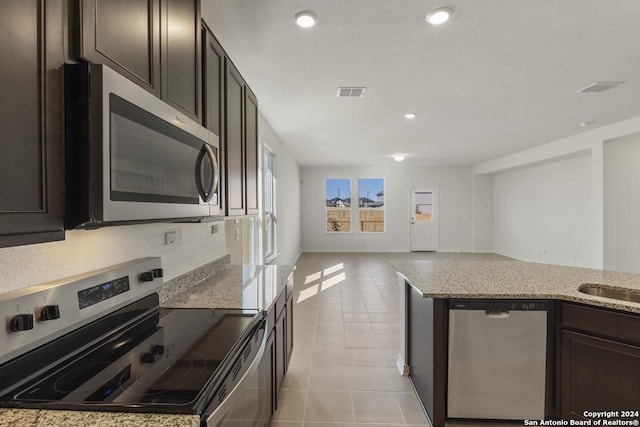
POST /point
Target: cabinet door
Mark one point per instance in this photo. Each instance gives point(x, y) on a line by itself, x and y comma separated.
point(289, 350)
point(213, 100)
point(251, 156)
point(267, 375)
point(598, 374)
point(234, 141)
point(31, 117)
point(427, 325)
point(181, 53)
point(124, 35)
point(281, 351)
point(213, 83)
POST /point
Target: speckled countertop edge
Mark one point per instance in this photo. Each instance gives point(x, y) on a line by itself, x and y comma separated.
point(225, 289)
point(181, 283)
point(46, 418)
point(495, 277)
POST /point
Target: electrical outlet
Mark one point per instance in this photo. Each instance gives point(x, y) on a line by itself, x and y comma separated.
point(215, 229)
point(170, 237)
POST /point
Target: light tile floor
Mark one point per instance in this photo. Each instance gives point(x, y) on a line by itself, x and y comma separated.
point(346, 327)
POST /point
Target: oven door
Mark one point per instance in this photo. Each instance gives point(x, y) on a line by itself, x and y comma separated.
point(245, 396)
point(156, 162)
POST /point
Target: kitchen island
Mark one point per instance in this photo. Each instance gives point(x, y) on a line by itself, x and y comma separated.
point(586, 333)
point(263, 287)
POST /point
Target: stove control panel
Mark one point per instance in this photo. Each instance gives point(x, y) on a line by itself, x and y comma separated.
point(39, 314)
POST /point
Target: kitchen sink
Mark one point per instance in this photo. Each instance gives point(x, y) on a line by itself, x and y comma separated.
point(621, 294)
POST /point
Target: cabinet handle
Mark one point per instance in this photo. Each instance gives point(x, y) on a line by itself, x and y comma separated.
point(213, 163)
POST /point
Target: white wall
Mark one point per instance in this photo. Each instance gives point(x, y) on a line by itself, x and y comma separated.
point(543, 213)
point(86, 250)
point(622, 204)
point(589, 144)
point(454, 206)
point(482, 213)
point(287, 194)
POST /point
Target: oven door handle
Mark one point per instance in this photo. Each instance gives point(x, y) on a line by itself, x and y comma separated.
point(207, 194)
point(221, 411)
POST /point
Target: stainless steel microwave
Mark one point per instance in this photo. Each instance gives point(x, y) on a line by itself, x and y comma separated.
point(130, 157)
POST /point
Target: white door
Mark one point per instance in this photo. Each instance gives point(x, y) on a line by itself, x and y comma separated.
point(424, 220)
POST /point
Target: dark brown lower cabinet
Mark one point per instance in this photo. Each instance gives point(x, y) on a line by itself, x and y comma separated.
point(281, 355)
point(599, 372)
point(427, 352)
point(289, 343)
point(267, 368)
point(280, 342)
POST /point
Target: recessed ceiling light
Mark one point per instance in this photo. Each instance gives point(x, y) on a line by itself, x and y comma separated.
point(399, 157)
point(439, 16)
point(410, 116)
point(306, 19)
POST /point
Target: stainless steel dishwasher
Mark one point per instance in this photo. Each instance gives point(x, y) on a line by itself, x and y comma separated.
point(497, 359)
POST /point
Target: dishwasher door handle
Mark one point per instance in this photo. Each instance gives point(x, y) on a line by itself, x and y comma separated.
point(497, 314)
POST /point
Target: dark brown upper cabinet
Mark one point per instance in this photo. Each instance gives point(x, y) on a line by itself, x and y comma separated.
point(181, 56)
point(234, 142)
point(213, 98)
point(32, 122)
point(251, 151)
point(124, 35)
point(154, 43)
point(231, 111)
point(213, 82)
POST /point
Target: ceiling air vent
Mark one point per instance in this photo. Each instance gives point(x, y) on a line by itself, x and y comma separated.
point(600, 87)
point(351, 92)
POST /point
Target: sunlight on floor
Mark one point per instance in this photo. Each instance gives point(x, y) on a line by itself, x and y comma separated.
point(327, 283)
point(307, 293)
point(312, 277)
point(332, 281)
point(333, 269)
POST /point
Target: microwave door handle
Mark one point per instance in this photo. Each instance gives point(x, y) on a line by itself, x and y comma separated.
point(213, 163)
point(215, 167)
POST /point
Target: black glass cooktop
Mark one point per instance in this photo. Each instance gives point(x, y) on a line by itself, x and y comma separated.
point(170, 358)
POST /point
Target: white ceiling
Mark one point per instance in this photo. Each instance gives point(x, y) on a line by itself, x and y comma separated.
point(499, 77)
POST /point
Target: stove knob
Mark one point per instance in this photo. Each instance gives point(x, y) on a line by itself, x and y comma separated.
point(147, 358)
point(158, 272)
point(49, 312)
point(21, 322)
point(157, 349)
point(147, 276)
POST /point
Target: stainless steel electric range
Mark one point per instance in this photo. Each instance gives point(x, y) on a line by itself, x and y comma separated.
point(100, 342)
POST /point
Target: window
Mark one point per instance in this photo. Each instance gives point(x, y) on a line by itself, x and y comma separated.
point(424, 206)
point(270, 222)
point(338, 204)
point(371, 204)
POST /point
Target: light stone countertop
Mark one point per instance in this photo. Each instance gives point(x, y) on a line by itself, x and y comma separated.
point(236, 286)
point(45, 418)
point(233, 286)
point(492, 276)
